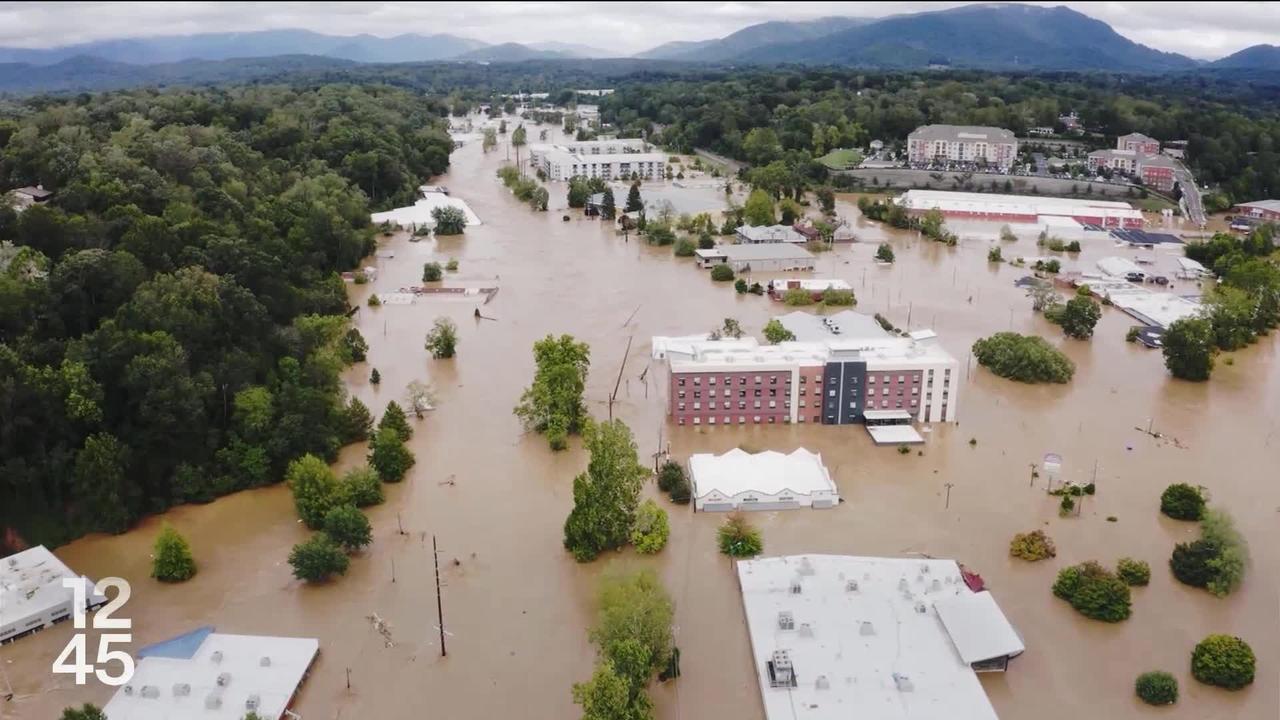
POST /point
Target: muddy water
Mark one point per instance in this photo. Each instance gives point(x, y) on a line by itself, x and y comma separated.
point(517, 606)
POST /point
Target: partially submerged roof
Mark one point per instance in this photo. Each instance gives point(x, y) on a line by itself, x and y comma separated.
point(31, 584)
point(769, 472)
point(977, 627)
point(765, 251)
point(892, 434)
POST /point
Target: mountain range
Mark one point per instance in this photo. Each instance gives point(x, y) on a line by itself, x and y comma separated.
point(985, 37)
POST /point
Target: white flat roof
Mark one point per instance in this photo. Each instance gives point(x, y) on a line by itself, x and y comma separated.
point(846, 324)
point(1156, 308)
point(766, 251)
point(1118, 266)
point(800, 472)
point(810, 284)
point(894, 434)
point(867, 628)
point(31, 584)
point(992, 203)
point(978, 628)
point(419, 213)
point(156, 691)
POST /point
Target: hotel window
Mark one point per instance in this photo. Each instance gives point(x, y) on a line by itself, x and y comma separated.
point(755, 419)
point(773, 380)
point(771, 419)
point(697, 421)
point(697, 394)
point(899, 404)
point(697, 381)
point(711, 406)
point(681, 394)
point(757, 405)
point(697, 406)
point(773, 393)
point(902, 378)
point(786, 404)
point(711, 381)
point(742, 380)
point(681, 406)
point(742, 393)
point(871, 379)
point(789, 379)
point(884, 403)
point(915, 391)
point(817, 418)
point(742, 419)
point(831, 393)
point(802, 403)
point(757, 392)
point(681, 421)
point(711, 393)
point(680, 382)
point(802, 380)
point(728, 381)
point(726, 419)
point(742, 405)
point(801, 392)
point(801, 418)
point(913, 402)
point(899, 393)
point(757, 379)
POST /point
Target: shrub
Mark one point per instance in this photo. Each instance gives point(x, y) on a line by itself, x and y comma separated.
point(797, 296)
point(1181, 501)
point(449, 220)
point(651, 529)
point(660, 235)
point(393, 417)
point(995, 254)
point(318, 559)
point(775, 332)
point(314, 488)
point(884, 253)
point(442, 339)
point(722, 273)
point(1225, 661)
point(1032, 546)
point(1133, 572)
point(1073, 246)
point(904, 450)
point(1024, 358)
point(374, 300)
point(432, 272)
point(669, 475)
point(361, 487)
point(1228, 564)
point(1190, 562)
point(740, 285)
point(389, 456)
point(738, 538)
point(452, 265)
point(684, 248)
point(1094, 592)
point(1157, 688)
point(348, 527)
point(173, 561)
point(838, 298)
point(1066, 506)
point(682, 492)
point(375, 377)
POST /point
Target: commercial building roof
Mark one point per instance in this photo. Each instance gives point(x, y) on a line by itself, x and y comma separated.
point(845, 324)
point(814, 284)
point(769, 472)
point(993, 204)
point(1268, 205)
point(1119, 267)
point(31, 585)
point(224, 678)
point(419, 213)
point(962, 132)
point(770, 234)
point(765, 251)
point(689, 345)
point(862, 637)
point(1156, 308)
point(1137, 136)
point(892, 434)
point(978, 628)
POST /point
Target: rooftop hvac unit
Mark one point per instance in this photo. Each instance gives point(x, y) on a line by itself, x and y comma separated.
point(822, 683)
point(252, 702)
point(851, 586)
point(795, 586)
point(865, 628)
point(265, 661)
point(213, 701)
point(806, 567)
point(216, 657)
point(224, 679)
point(128, 690)
point(903, 682)
point(151, 692)
point(920, 608)
point(181, 689)
point(786, 621)
point(806, 630)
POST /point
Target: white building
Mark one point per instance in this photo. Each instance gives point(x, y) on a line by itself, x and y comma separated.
point(836, 637)
point(767, 257)
point(418, 214)
point(755, 234)
point(226, 677)
point(32, 596)
point(808, 327)
point(1119, 267)
point(1022, 208)
point(738, 480)
point(962, 144)
point(605, 159)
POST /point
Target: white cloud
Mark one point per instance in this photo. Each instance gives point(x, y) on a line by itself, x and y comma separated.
point(1204, 30)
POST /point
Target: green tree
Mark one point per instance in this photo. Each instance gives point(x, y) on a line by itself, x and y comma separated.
point(314, 487)
point(354, 347)
point(393, 417)
point(375, 378)
point(318, 558)
point(109, 501)
point(1225, 661)
point(633, 630)
point(553, 403)
point(357, 421)
point(758, 209)
point(1188, 349)
point(1231, 312)
point(826, 200)
point(634, 201)
point(171, 557)
point(1024, 358)
point(739, 538)
point(1094, 592)
point(995, 254)
point(775, 332)
point(1157, 688)
point(518, 140)
point(432, 272)
point(670, 475)
point(722, 273)
point(1133, 572)
point(389, 456)
point(651, 529)
point(684, 248)
point(348, 527)
point(450, 220)
point(1181, 501)
point(490, 140)
point(884, 253)
point(361, 487)
point(84, 712)
point(605, 497)
point(1080, 316)
point(833, 297)
point(579, 193)
point(608, 208)
point(761, 146)
point(790, 211)
point(442, 339)
point(540, 199)
point(1227, 566)
point(605, 696)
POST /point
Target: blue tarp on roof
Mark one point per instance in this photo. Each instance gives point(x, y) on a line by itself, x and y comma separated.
point(181, 647)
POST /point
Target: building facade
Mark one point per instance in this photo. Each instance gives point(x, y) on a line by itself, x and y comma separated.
point(1265, 210)
point(1138, 143)
point(1156, 171)
point(605, 159)
point(945, 144)
point(1021, 208)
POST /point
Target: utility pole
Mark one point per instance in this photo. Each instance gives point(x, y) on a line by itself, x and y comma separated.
point(439, 601)
point(614, 395)
point(948, 505)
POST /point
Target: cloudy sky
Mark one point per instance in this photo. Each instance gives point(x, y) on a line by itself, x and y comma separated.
point(1205, 30)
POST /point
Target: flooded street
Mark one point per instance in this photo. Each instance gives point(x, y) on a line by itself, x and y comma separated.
point(517, 606)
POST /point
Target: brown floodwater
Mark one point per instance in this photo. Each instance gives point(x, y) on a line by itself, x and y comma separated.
point(518, 607)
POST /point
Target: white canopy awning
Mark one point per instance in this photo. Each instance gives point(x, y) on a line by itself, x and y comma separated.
point(978, 628)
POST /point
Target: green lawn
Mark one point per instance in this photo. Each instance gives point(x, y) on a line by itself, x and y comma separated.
point(841, 159)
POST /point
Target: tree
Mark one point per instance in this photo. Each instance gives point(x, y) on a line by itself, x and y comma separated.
point(348, 527)
point(394, 418)
point(354, 347)
point(442, 339)
point(1181, 501)
point(1188, 348)
point(790, 211)
point(633, 630)
point(314, 487)
point(705, 241)
point(758, 209)
point(1094, 592)
point(651, 529)
point(357, 422)
point(101, 485)
point(432, 272)
point(1231, 313)
point(171, 559)
point(553, 403)
point(317, 559)
point(634, 201)
point(775, 332)
point(995, 254)
point(605, 696)
point(361, 487)
point(608, 208)
point(606, 495)
point(1024, 358)
point(797, 297)
point(1157, 688)
point(884, 253)
point(670, 475)
point(1133, 572)
point(834, 297)
point(1080, 316)
point(1032, 546)
point(738, 538)
point(389, 456)
point(1223, 660)
point(826, 200)
point(1190, 562)
point(1227, 565)
point(722, 273)
point(84, 712)
point(490, 139)
point(450, 220)
point(579, 193)
point(375, 377)
point(540, 199)
point(684, 248)
point(518, 139)
point(729, 328)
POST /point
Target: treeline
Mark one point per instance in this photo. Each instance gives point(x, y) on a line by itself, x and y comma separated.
point(172, 323)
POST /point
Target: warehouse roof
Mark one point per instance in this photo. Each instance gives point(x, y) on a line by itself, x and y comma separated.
point(768, 472)
point(765, 251)
point(31, 584)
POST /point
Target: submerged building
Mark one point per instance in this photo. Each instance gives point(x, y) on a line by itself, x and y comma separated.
point(1021, 208)
point(606, 159)
point(33, 596)
point(739, 480)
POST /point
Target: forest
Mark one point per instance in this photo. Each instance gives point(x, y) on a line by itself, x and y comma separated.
point(172, 320)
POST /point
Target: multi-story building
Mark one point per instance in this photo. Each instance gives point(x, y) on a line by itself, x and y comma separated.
point(1156, 171)
point(1139, 143)
point(1119, 160)
point(931, 144)
point(1265, 210)
point(835, 381)
point(605, 159)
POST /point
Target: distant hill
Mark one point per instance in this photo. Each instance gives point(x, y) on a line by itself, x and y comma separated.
point(269, 43)
point(1258, 57)
point(752, 38)
point(998, 37)
point(511, 52)
point(573, 49)
point(88, 74)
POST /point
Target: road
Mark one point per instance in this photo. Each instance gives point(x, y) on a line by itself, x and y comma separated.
point(733, 165)
point(1192, 204)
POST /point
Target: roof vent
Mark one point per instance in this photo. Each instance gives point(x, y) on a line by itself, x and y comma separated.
point(851, 586)
point(266, 660)
point(224, 679)
point(786, 621)
point(806, 567)
point(795, 586)
point(866, 629)
point(128, 690)
point(903, 682)
point(213, 701)
point(822, 683)
point(935, 586)
point(216, 657)
point(902, 584)
point(181, 689)
point(252, 702)
point(151, 692)
point(920, 608)
point(806, 630)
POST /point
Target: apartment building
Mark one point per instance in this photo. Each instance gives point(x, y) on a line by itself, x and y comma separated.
point(605, 159)
point(1156, 171)
point(1139, 143)
point(971, 144)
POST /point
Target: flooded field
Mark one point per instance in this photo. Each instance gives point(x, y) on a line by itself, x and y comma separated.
point(517, 606)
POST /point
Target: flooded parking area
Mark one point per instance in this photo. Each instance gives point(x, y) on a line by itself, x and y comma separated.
point(517, 606)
